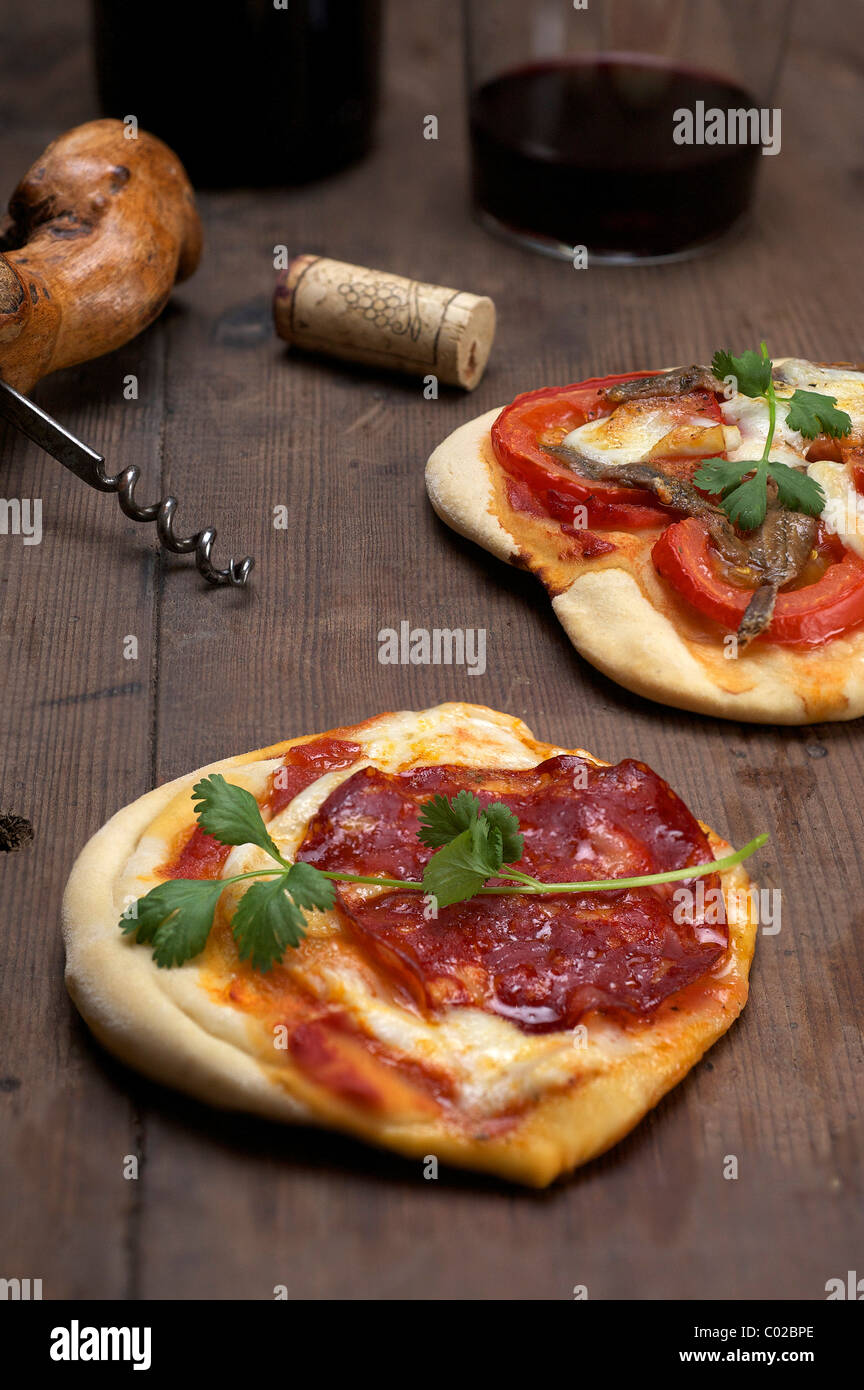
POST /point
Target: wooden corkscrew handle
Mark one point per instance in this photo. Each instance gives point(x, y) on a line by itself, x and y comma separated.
point(99, 230)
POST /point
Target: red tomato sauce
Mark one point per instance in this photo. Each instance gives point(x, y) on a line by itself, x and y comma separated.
point(555, 505)
point(200, 856)
point(335, 1054)
point(305, 763)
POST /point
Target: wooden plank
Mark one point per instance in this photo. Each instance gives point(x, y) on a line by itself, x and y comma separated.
point(75, 735)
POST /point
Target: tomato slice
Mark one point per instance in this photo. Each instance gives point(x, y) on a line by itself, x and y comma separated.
point(516, 436)
point(685, 557)
point(853, 455)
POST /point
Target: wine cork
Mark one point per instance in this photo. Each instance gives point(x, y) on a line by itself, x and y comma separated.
point(384, 320)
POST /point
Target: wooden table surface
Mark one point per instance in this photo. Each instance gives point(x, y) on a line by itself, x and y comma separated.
point(226, 1206)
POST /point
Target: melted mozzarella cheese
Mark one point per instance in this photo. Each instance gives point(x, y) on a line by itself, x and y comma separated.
point(843, 383)
point(635, 429)
point(492, 1063)
point(751, 418)
point(844, 506)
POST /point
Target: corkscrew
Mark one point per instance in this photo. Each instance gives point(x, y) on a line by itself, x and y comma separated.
point(99, 231)
point(86, 464)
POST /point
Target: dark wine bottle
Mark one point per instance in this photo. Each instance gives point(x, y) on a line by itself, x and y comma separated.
point(247, 92)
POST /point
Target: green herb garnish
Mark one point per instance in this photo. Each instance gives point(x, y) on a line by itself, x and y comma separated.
point(743, 486)
point(811, 413)
point(472, 846)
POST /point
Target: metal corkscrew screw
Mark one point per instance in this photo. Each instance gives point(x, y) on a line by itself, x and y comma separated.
point(86, 464)
point(124, 214)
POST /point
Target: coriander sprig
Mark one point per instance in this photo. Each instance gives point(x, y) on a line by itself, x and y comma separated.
point(472, 846)
point(742, 485)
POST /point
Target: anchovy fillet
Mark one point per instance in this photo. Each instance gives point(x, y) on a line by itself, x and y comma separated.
point(776, 552)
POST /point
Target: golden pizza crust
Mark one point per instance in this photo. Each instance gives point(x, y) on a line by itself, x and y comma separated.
point(174, 1027)
point(621, 618)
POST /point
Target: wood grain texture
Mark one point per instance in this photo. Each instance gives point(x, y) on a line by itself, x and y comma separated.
point(236, 425)
point(99, 230)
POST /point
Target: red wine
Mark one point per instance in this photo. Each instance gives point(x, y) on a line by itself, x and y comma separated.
point(244, 93)
point(582, 153)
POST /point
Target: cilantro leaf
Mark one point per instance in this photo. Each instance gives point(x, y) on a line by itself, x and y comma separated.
point(796, 491)
point(461, 867)
point(176, 917)
point(719, 476)
point(231, 814)
point(270, 914)
point(747, 504)
point(503, 819)
point(266, 923)
point(308, 887)
point(752, 370)
point(811, 413)
point(744, 500)
point(442, 819)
